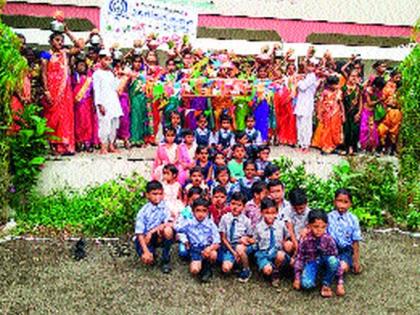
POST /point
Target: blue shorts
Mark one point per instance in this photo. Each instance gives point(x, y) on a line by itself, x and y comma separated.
point(346, 254)
point(228, 256)
point(267, 257)
point(154, 242)
point(195, 253)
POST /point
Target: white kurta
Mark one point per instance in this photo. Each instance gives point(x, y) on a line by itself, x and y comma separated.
point(105, 86)
point(304, 109)
point(306, 95)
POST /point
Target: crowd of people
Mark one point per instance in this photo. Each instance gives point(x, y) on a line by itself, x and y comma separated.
point(214, 192)
point(93, 97)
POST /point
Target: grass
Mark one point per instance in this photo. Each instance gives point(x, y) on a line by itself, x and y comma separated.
point(43, 278)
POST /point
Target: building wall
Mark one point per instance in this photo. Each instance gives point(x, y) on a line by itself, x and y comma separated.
point(292, 31)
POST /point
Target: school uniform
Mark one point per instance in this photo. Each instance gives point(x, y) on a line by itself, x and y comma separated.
point(299, 221)
point(149, 217)
point(234, 228)
point(345, 230)
point(244, 185)
point(202, 136)
point(223, 137)
point(199, 234)
point(254, 142)
point(230, 189)
point(269, 241)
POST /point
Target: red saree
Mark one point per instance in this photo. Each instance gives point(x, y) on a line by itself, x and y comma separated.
point(59, 112)
point(285, 119)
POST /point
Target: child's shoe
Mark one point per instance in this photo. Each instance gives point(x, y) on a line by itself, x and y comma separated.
point(166, 267)
point(275, 279)
point(206, 273)
point(244, 275)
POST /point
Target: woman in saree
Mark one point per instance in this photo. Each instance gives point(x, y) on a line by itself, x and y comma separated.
point(58, 104)
point(329, 132)
point(352, 101)
point(140, 127)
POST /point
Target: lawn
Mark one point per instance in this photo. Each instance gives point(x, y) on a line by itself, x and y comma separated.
point(43, 278)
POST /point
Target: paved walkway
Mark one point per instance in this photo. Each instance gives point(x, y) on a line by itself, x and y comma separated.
point(85, 169)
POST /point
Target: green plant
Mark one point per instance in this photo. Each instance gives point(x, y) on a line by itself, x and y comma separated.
point(409, 176)
point(12, 69)
point(104, 210)
point(373, 184)
point(29, 147)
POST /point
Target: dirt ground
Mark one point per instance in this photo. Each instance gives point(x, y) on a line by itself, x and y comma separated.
point(43, 278)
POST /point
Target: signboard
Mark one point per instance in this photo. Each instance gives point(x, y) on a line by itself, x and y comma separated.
point(123, 21)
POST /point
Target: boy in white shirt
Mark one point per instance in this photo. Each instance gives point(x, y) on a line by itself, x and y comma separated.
point(107, 102)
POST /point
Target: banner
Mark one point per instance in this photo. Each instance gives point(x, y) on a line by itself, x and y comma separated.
point(123, 21)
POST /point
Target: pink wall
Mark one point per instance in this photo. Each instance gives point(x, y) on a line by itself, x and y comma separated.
point(295, 31)
point(90, 13)
point(292, 31)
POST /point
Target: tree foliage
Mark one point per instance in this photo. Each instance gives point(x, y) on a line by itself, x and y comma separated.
point(12, 69)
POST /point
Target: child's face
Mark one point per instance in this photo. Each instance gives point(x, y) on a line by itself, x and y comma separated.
point(155, 196)
point(223, 177)
point(81, 67)
point(170, 137)
point(203, 156)
point(300, 209)
point(202, 123)
point(236, 207)
point(171, 67)
point(269, 215)
point(189, 139)
point(200, 213)
point(261, 195)
point(196, 178)
point(219, 199)
point(175, 120)
point(318, 228)
point(250, 171)
point(277, 194)
point(168, 176)
point(250, 123)
point(225, 124)
point(219, 160)
point(106, 62)
point(275, 175)
point(264, 154)
point(239, 153)
point(342, 203)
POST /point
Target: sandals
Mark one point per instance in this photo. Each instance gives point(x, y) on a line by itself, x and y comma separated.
point(326, 292)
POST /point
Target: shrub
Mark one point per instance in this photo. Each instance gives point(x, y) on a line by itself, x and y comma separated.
point(29, 147)
point(105, 210)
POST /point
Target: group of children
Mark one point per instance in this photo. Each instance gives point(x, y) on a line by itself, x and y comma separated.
point(234, 214)
point(91, 100)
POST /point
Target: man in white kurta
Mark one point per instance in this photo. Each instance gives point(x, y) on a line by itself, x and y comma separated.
point(305, 107)
point(107, 103)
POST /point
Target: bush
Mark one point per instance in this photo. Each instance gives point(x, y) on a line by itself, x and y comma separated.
point(373, 184)
point(110, 209)
point(106, 210)
point(29, 147)
point(409, 177)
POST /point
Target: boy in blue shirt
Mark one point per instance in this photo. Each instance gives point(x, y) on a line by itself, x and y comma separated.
point(186, 214)
point(236, 234)
point(270, 236)
point(345, 230)
point(154, 227)
point(203, 239)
